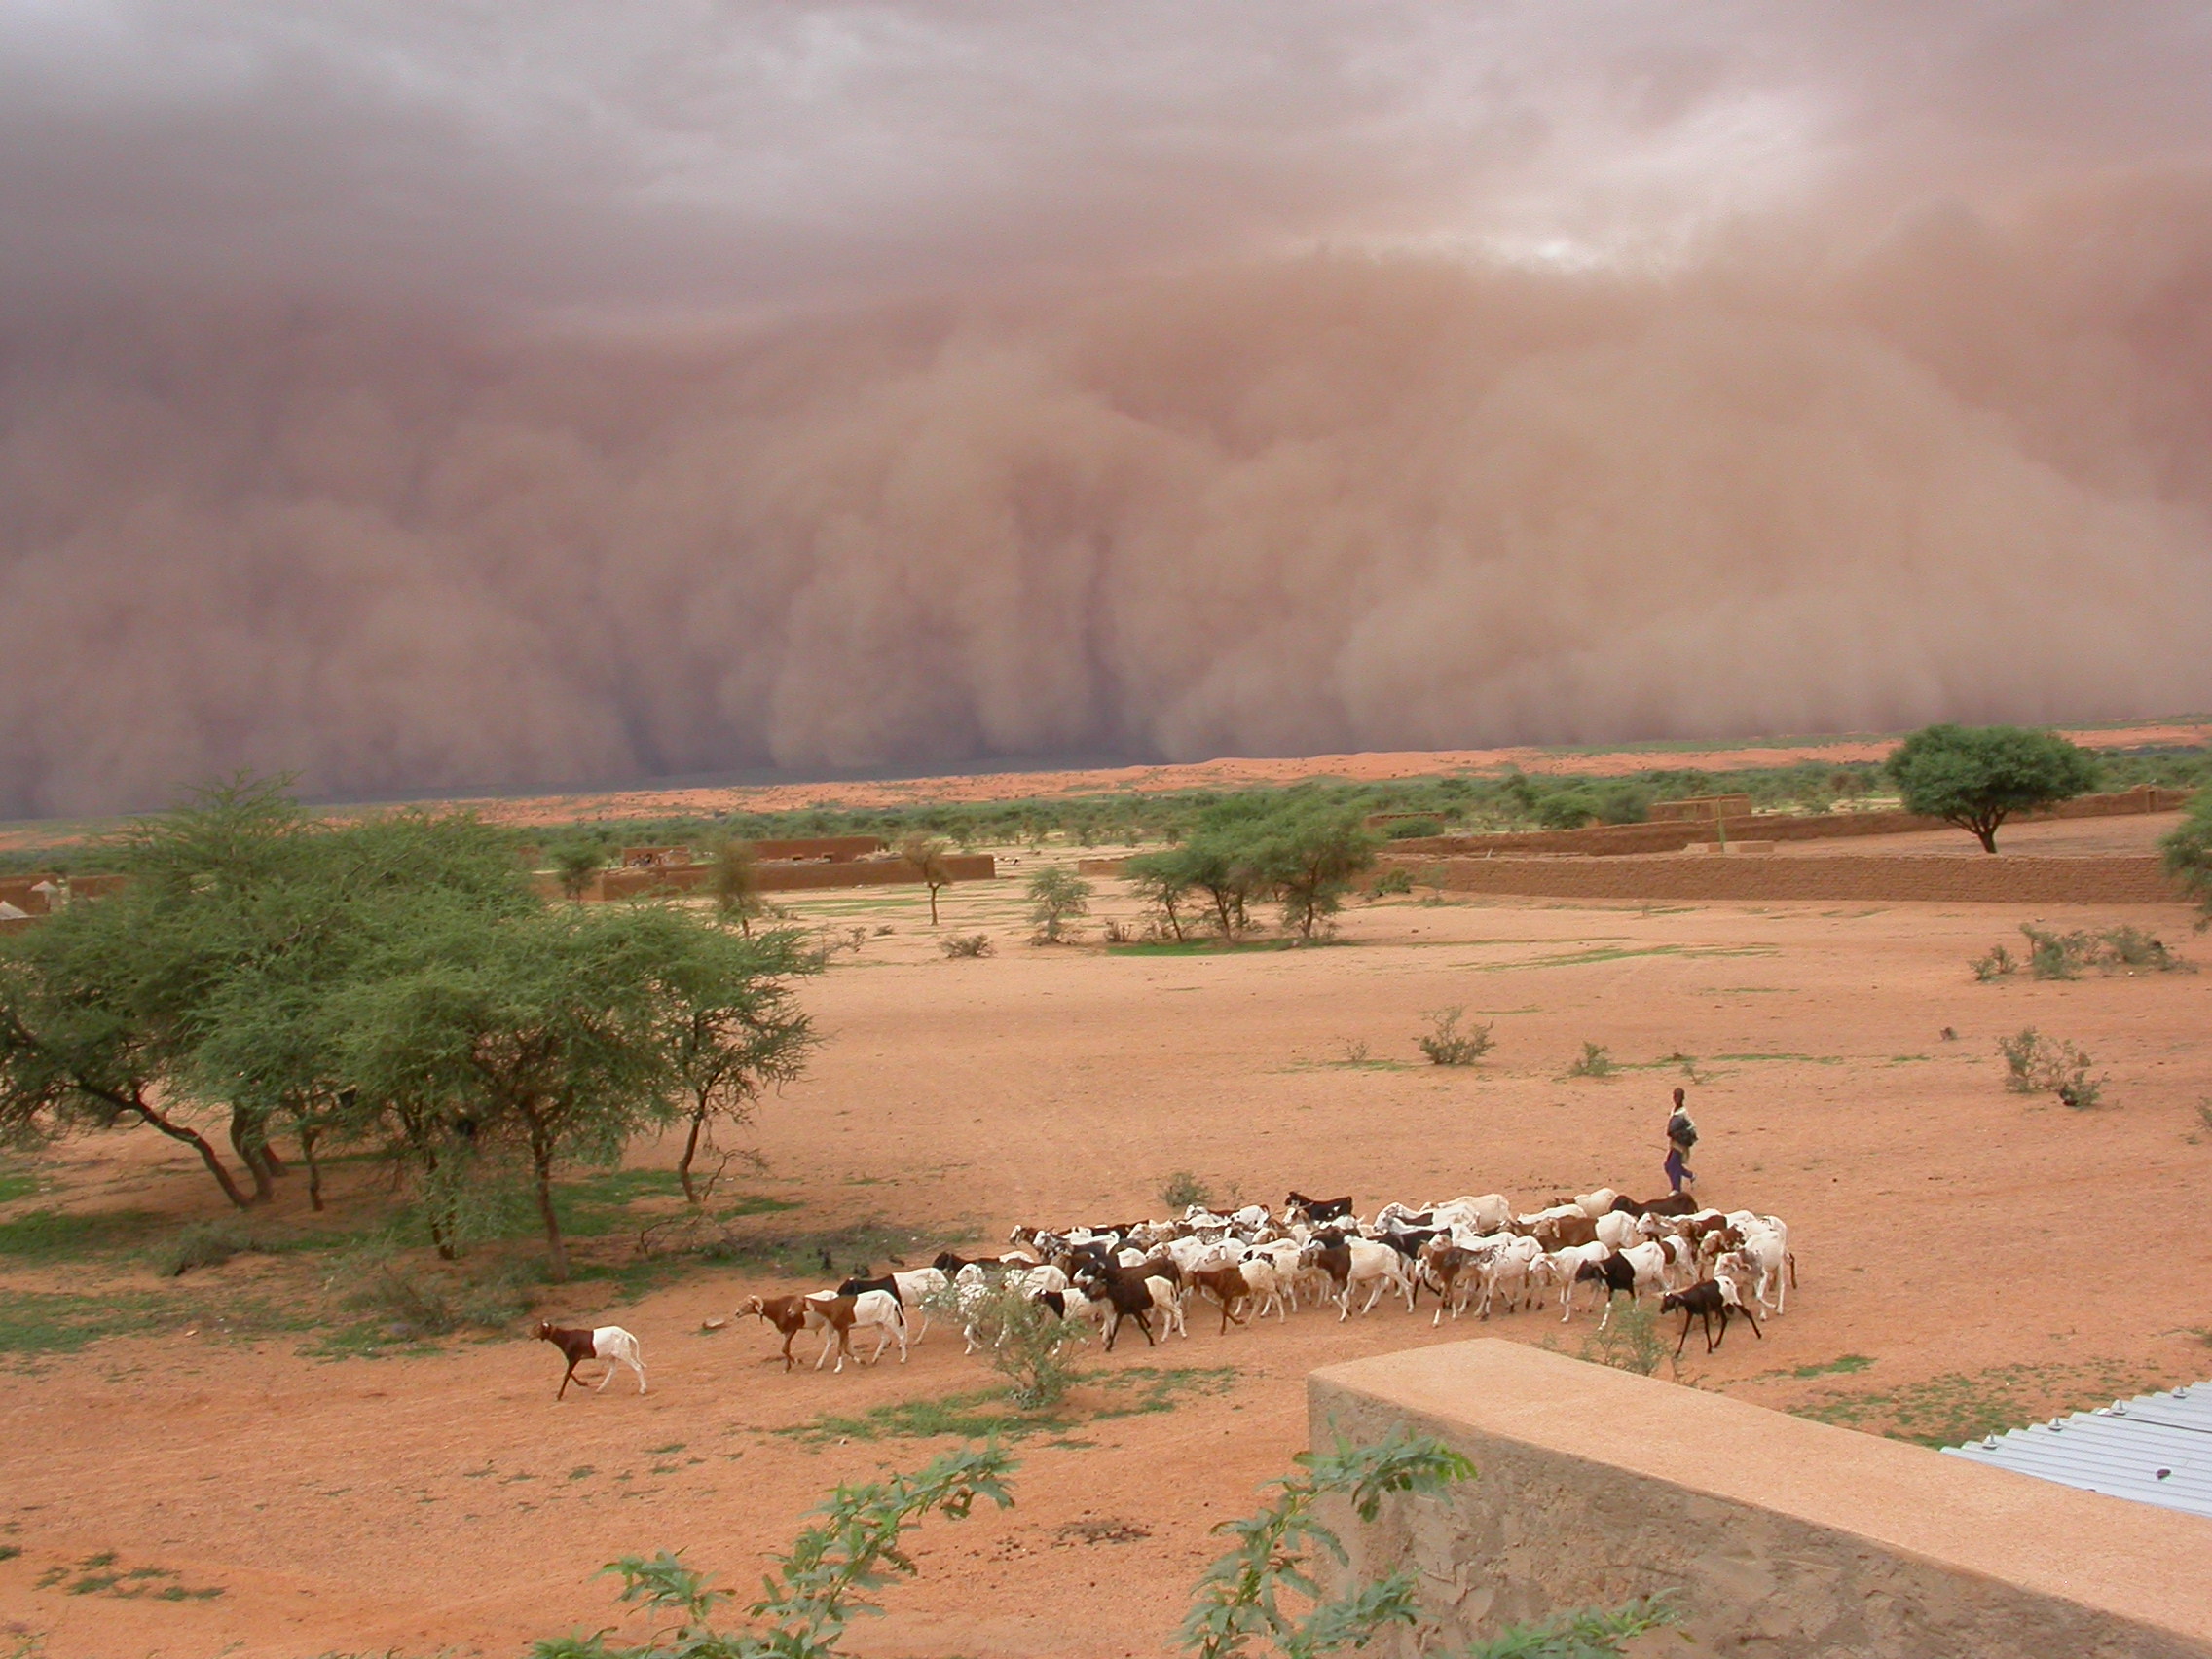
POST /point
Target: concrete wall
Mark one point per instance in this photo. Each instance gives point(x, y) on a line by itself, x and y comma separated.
point(1781, 1539)
point(2117, 879)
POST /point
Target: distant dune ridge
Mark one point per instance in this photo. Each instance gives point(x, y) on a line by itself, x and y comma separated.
point(1846, 454)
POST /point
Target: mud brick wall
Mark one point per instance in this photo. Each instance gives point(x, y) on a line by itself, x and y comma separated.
point(2119, 879)
point(1779, 1538)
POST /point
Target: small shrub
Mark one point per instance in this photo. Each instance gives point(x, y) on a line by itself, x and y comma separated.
point(1181, 1190)
point(1996, 964)
point(2057, 956)
point(968, 946)
point(1412, 829)
point(203, 1244)
point(1018, 1336)
point(2122, 949)
point(1357, 1053)
point(1596, 1061)
point(2129, 946)
point(2036, 1064)
point(1118, 932)
point(1445, 1045)
point(1632, 1341)
point(1397, 879)
point(425, 1302)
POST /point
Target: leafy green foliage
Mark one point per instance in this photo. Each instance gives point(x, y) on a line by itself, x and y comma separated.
point(1588, 1634)
point(1630, 1339)
point(1183, 1189)
point(817, 1589)
point(393, 984)
point(1595, 1061)
point(2036, 1064)
point(1308, 857)
point(2187, 850)
point(1976, 777)
point(1018, 1336)
point(1240, 1598)
point(576, 865)
point(1445, 1045)
point(1056, 896)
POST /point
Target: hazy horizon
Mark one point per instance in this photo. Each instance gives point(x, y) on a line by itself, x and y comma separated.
point(446, 400)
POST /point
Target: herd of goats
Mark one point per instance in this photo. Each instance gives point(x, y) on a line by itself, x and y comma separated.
point(1708, 1264)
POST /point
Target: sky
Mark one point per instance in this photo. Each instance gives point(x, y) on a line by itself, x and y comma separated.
point(418, 398)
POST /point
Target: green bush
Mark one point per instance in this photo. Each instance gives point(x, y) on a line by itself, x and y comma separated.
point(1396, 879)
point(1181, 1190)
point(1412, 829)
point(203, 1244)
point(968, 946)
point(1994, 964)
point(2036, 1064)
point(1445, 1045)
point(1018, 1336)
point(1596, 1060)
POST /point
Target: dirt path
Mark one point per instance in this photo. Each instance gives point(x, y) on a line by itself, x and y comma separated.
point(448, 1503)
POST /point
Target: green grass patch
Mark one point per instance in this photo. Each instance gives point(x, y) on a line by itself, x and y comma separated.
point(1959, 1406)
point(1793, 1059)
point(1199, 947)
point(1841, 1365)
point(45, 1235)
point(982, 1413)
point(1621, 953)
point(17, 1184)
point(35, 1322)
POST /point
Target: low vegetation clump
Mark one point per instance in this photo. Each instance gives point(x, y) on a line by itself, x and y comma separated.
point(1631, 1340)
point(1396, 879)
point(2036, 1064)
point(413, 1301)
point(2054, 955)
point(1445, 1045)
point(1181, 1190)
point(967, 946)
point(1596, 1060)
point(1018, 1336)
point(204, 1245)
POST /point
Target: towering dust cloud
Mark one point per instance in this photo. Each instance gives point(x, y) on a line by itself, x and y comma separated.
point(413, 406)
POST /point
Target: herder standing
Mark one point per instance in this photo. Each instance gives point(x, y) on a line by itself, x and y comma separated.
point(1682, 1135)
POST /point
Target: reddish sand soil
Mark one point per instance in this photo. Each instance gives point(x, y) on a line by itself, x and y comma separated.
point(422, 1504)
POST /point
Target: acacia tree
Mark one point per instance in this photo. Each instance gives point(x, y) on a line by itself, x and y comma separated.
point(731, 1025)
point(1056, 896)
point(1162, 880)
point(1309, 855)
point(737, 883)
point(927, 854)
point(562, 1033)
point(1976, 777)
point(576, 865)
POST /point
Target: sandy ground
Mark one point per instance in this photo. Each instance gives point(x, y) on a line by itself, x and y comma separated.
point(1844, 1074)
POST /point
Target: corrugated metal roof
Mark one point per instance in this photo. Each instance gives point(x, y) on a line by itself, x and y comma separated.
point(2156, 1449)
